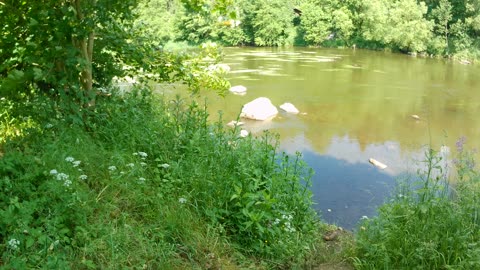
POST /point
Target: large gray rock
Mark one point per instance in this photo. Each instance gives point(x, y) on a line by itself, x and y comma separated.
point(259, 109)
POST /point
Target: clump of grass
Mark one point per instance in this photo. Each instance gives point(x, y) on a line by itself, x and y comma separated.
point(140, 182)
point(428, 224)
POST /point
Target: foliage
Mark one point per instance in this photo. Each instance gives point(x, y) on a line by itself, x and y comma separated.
point(149, 184)
point(70, 50)
point(428, 224)
point(446, 27)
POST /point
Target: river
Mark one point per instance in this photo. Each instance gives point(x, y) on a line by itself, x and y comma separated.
point(356, 105)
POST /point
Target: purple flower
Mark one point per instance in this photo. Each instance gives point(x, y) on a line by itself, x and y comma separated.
point(460, 143)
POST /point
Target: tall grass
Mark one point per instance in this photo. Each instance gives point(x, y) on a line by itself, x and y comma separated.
point(146, 183)
point(428, 224)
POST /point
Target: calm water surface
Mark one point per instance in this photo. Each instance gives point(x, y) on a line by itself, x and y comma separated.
point(356, 105)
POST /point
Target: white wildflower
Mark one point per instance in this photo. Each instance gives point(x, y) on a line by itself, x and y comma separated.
point(143, 163)
point(53, 171)
point(83, 177)
point(62, 176)
point(112, 168)
point(141, 179)
point(69, 159)
point(276, 222)
point(164, 165)
point(13, 243)
point(130, 165)
point(76, 163)
point(135, 154)
point(182, 200)
point(67, 183)
point(143, 155)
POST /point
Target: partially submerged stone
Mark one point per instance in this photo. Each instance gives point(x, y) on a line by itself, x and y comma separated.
point(289, 108)
point(238, 89)
point(377, 163)
point(416, 117)
point(259, 109)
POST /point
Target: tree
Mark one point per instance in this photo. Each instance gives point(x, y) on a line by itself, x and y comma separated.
point(65, 48)
point(400, 24)
point(443, 16)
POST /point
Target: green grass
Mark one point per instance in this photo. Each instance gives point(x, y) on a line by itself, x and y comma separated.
point(139, 182)
point(429, 224)
point(144, 183)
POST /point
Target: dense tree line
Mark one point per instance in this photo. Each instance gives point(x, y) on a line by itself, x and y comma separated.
point(437, 27)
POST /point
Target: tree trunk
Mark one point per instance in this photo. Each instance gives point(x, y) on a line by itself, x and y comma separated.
point(85, 46)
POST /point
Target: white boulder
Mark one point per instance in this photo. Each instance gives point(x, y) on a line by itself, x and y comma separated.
point(238, 89)
point(289, 108)
point(259, 109)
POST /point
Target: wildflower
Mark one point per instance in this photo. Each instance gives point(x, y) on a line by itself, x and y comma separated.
point(76, 163)
point(69, 159)
point(112, 168)
point(83, 177)
point(67, 183)
point(143, 163)
point(143, 155)
point(182, 200)
point(13, 243)
point(164, 165)
point(276, 221)
point(130, 165)
point(459, 144)
point(62, 176)
point(53, 171)
point(141, 179)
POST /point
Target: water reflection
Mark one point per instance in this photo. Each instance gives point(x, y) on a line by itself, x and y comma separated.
point(356, 105)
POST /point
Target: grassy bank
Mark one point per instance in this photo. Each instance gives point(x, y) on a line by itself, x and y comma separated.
point(145, 183)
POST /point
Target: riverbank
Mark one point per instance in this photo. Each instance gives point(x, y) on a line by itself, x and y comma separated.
point(148, 183)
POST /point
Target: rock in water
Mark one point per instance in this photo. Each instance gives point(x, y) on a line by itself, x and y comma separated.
point(289, 108)
point(377, 163)
point(259, 109)
point(238, 89)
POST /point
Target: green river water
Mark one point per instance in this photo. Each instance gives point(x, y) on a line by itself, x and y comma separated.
point(356, 105)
